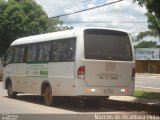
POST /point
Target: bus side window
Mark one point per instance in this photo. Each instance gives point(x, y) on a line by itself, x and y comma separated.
point(43, 52)
point(21, 54)
point(9, 58)
point(54, 52)
point(25, 58)
point(16, 52)
point(71, 50)
point(62, 51)
point(32, 52)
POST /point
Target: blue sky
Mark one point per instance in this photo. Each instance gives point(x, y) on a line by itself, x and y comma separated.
point(112, 16)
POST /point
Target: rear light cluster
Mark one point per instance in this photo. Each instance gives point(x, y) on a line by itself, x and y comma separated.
point(125, 90)
point(81, 72)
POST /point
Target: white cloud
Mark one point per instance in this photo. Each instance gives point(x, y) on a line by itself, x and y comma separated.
point(113, 16)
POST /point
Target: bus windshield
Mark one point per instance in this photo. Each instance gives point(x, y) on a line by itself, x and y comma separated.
point(107, 45)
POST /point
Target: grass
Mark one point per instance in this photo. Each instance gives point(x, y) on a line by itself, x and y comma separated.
point(149, 95)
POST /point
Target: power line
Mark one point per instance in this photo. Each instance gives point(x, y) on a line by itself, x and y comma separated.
point(87, 9)
point(107, 22)
point(73, 4)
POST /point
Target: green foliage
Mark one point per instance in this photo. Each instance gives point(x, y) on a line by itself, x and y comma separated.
point(153, 15)
point(146, 44)
point(153, 25)
point(19, 18)
point(153, 6)
point(158, 46)
point(150, 95)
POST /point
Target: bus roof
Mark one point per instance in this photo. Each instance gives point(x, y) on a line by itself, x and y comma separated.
point(43, 37)
point(52, 36)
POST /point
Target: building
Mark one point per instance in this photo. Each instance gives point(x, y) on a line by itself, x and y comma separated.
point(147, 60)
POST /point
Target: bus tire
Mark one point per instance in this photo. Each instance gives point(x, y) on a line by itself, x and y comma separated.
point(48, 96)
point(11, 93)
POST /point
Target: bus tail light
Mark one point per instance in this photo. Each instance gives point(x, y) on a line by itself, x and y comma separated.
point(125, 90)
point(81, 72)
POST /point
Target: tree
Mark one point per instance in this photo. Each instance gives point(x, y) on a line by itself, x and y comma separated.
point(153, 25)
point(153, 15)
point(20, 18)
point(147, 44)
point(153, 6)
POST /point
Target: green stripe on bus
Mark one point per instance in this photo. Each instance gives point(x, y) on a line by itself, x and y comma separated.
point(38, 76)
point(37, 63)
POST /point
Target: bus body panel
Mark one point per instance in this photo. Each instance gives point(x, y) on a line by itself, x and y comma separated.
point(102, 77)
point(106, 73)
point(62, 77)
point(16, 75)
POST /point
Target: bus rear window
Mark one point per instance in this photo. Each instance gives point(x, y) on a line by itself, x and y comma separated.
point(107, 45)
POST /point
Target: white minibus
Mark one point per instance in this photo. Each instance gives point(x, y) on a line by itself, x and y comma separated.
point(87, 63)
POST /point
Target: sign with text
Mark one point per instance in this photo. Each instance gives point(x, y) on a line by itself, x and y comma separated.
point(37, 70)
point(147, 54)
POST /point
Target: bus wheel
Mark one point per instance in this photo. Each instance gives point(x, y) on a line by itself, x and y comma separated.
point(11, 93)
point(48, 96)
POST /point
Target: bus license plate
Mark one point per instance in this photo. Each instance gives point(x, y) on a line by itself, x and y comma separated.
point(108, 91)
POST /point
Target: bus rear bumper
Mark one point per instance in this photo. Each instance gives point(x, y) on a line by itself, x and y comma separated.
point(106, 91)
